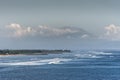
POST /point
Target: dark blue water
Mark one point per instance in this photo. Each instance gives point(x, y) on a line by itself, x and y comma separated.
point(78, 65)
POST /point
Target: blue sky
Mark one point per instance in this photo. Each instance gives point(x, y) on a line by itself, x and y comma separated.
point(59, 24)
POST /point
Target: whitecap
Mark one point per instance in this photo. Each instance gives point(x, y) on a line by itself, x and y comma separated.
point(36, 62)
point(99, 53)
point(86, 56)
point(58, 60)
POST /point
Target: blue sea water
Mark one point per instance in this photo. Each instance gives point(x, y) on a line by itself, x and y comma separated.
point(77, 65)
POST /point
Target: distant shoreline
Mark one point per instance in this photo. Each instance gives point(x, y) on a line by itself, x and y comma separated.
point(32, 52)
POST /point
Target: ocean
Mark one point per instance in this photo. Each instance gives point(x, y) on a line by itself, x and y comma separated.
point(77, 65)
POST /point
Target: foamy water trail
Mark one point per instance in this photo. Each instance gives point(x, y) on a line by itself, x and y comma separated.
point(99, 53)
point(36, 62)
point(92, 54)
point(86, 56)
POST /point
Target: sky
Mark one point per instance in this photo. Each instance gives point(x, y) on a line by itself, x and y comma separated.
point(59, 24)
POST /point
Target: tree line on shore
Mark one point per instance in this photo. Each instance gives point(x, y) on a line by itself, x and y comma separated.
point(29, 52)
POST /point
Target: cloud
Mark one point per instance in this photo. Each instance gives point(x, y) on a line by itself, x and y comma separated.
point(84, 36)
point(17, 30)
point(52, 31)
point(112, 33)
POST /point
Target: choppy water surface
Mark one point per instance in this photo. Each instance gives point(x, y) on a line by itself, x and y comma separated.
point(77, 65)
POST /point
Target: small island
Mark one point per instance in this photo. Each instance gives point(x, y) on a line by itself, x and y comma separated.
point(32, 52)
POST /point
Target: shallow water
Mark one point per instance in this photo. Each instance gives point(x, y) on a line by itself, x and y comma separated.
point(77, 65)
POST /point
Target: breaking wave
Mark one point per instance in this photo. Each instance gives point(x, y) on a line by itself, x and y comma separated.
point(37, 62)
point(92, 54)
point(86, 56)
point(99, 53)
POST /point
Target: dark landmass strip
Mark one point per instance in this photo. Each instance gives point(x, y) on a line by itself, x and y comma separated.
point(32, 52)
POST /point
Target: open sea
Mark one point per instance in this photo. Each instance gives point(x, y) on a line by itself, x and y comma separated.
point(77, 65)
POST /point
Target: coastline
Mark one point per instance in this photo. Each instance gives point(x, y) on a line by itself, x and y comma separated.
point(31, 52)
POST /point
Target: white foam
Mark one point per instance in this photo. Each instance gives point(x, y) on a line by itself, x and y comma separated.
point(86, 56)
point(58, 60)
point(100, 53)
point(5, 55)
point(37, 62)
point(91, 54)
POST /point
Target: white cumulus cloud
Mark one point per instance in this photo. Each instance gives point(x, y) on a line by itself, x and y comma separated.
point(17, 30)
point(112, 32)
